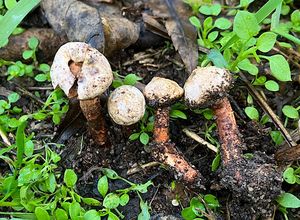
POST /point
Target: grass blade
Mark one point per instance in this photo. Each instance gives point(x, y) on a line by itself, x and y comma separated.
point(13, 17)
point(20, 140)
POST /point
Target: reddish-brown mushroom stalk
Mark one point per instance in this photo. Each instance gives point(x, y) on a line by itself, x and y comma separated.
point(250, 180)
point(82, 71)
point(160, 93)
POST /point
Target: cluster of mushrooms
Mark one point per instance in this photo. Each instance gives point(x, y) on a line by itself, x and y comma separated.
point(82, 71)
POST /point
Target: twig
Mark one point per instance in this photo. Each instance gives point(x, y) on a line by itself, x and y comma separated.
point(200, 140)
point(4, 137)
point(264, 105)
point(40, 88)
point(26, 92)
point(139, 168)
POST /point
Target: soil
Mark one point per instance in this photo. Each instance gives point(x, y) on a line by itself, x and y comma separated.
point(81, 153)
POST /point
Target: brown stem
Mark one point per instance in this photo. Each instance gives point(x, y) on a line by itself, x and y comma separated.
point(161, 125)
point(228, 131)
point(165, 152)
point(91, 109)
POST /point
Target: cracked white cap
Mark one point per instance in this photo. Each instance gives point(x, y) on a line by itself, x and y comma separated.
point(160, 91)
point(126, 105)
point(205, 85)
point(95, 75)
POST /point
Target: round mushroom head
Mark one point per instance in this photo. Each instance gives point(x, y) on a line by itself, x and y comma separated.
point(95, 75)
point(161, 92)
point(206, 85)
point(126, 105)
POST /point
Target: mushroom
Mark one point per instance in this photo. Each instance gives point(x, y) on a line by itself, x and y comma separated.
point(82, 71)
point(160, 94)
point(126, 105)
point(254, 182)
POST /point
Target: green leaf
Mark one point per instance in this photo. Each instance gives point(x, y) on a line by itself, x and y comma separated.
point(56, 118)
point(134, 136)
point(212, 36)
point(288, 200)
point(44, 67)
point(33, 42)
point(70, 178)
point(211, 201)
point(144, 138)
point(143, 188)
point(280, 68)
point(252, 113)
point(246, 65)
point(277, 137)
point(216, 163)
point(288, 175)
point(260, 81)
point(271, 85)
point(27, 54)
point(92, 215)
point(144, 214)
point(112, 216)
point(74, 210)
point(177, 114)
point(131, 79)
point(61, 214)
point(217, 58)
point(111, 201)
point(13, 97)
point(29, 147)
point(213, 9)
point(124, 199)
point(51, 183)
point(41, 214)
point(295, 17)
point(245, 25)
point(188, 213)
point(223, 23)
point(102, 186)
point(195, 21)
point(91, 201)
point(245, 3)
point(10, 4)
point(111, 174)
point(41, 77)
point(266, 41)
point(208, 23)
point(290, 112)
point(20, 141)
point(39, 116)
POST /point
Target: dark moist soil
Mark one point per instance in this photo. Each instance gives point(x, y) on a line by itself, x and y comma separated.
point(81, 154)
point(86, 158)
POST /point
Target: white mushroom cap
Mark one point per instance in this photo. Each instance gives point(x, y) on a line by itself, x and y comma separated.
point(160, 91)
point(95, 76)
point(126, 105)
point(205, 85)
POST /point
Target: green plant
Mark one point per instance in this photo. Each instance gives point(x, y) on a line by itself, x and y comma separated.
point(285, 201)
point(129, 79)
point(291, 175)
point(201, 207)
point(40, 72)
point(146, 127)
point(12, 18)
point(32, 188)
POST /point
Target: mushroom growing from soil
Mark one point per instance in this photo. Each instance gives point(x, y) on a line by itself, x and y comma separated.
point(160, 94)
point(254, 182)
point(82, 71)
point(126, 105)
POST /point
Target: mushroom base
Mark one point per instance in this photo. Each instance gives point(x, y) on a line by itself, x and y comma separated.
point(254, 183)
point(167, 154)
